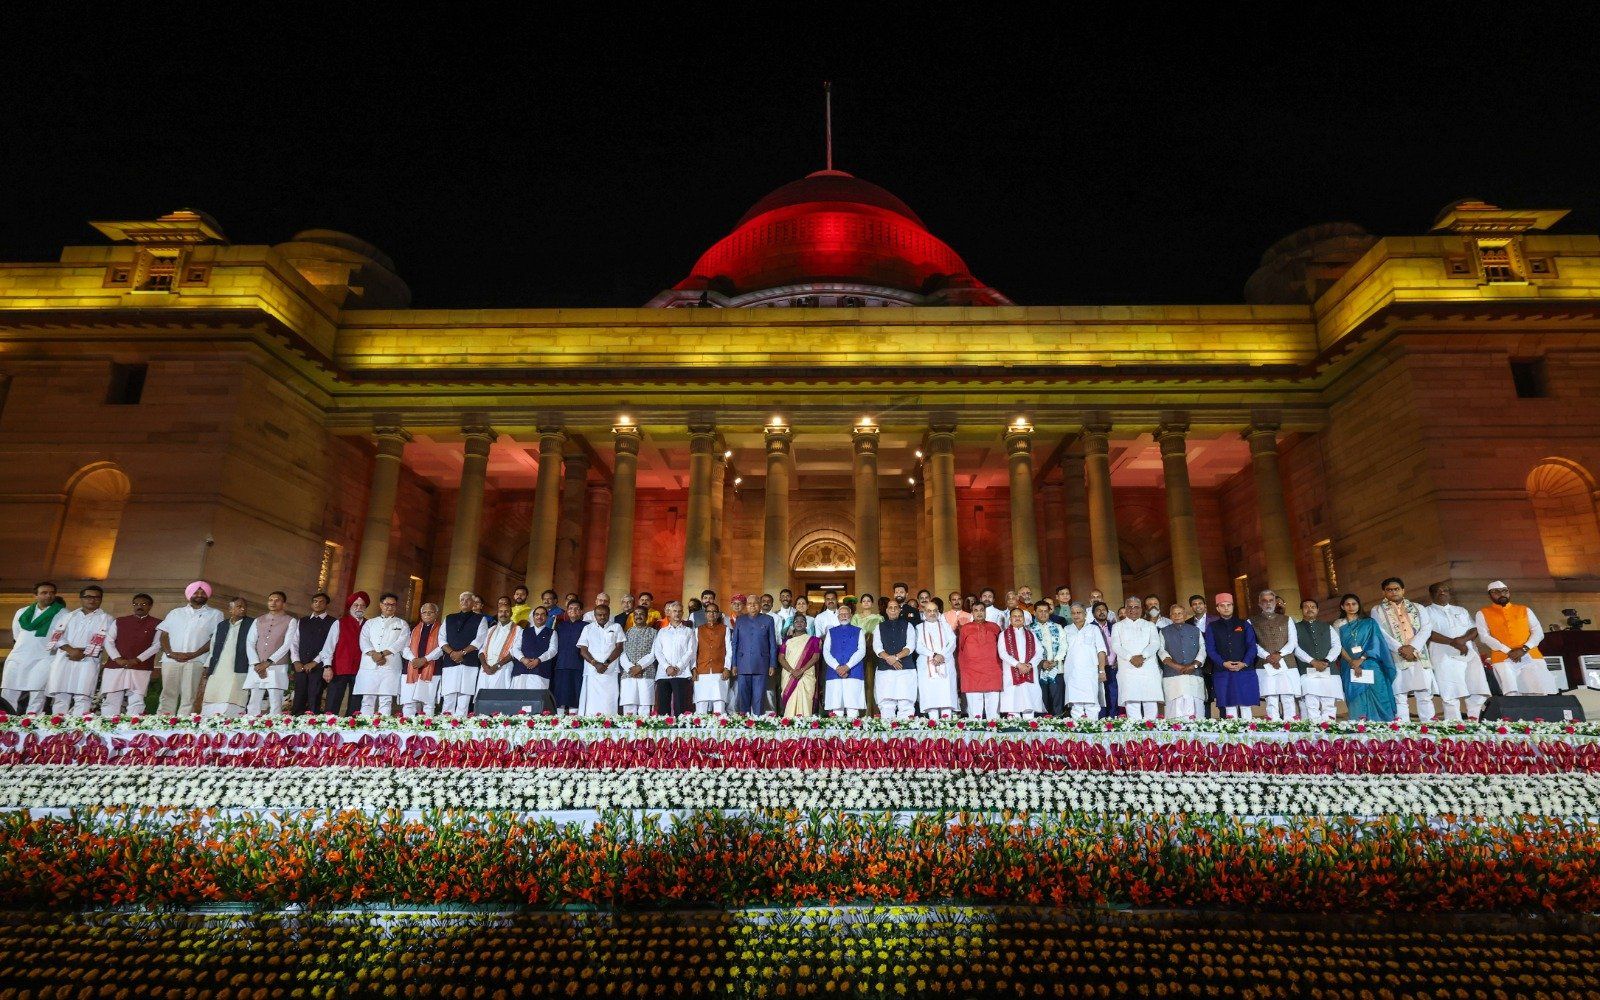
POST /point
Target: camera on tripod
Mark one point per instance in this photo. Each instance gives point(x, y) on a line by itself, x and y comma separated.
point(1574, 623)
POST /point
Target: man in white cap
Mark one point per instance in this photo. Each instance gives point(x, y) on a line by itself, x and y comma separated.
point(1457, 665)
point(185, 635)
point(1512, 632)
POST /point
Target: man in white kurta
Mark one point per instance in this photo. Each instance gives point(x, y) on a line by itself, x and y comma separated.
point(502, 644)
point(185, 635)
point(1183, 660)
point(1137, 643)
point(1020, 654)
point(383, 658)
point(988, 611)
point(1405, 627)
point(419, 687)
point(1457, 664)
point(77, 644)
point(27, 669)
point(270, 647)
point(600, 645)
point(1512, 632)
point(1277, 669)
point(895, 682)
point(1083, 677)
point(936, 664)
point(465, 632)
point(131, 648)
point(227, 664)
point(676, 650)
point(1316, 646)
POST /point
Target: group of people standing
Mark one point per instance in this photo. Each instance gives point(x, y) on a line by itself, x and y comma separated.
point(901, 655)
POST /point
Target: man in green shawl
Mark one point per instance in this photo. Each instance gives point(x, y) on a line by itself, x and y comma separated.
point(28, 666)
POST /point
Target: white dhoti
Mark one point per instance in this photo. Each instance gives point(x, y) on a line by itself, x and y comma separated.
point(1020, 698)
point(123, 690)
point(637, 693)
point(372, 679)
point(844, 694)
point(601, 692)
point(710, 692)
point(1185, 695)
point(224, 692)
point(935, 693)
point(420, 694)
point(895, 692)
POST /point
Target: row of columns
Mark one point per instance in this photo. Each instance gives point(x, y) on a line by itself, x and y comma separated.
point(1090, 510)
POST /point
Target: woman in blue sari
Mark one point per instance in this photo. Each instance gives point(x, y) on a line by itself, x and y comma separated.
point(1363, 654)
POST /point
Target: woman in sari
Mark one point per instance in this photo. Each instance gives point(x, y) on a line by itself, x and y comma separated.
point(1364, 664)
point(799, 658)
point(865, 617)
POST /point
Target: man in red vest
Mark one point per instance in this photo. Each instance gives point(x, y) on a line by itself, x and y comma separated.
point(131, 646)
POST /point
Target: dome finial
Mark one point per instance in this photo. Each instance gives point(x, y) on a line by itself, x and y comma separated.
point(827, 118)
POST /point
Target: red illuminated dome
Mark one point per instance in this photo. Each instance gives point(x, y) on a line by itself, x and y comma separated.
point(830, 239)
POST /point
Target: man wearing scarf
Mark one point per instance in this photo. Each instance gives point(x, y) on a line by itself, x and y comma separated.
point(77, 641)
point(185, 634)
point(419, 690)
point(229, 663)
point(131, 648)
point(465, 632)
point(269, 655)
point(521, 611)
point(638, 663)
point(1406, 628)
point(936, 663)
point(342, 654)
point(28, 666)
point(1020, 654)
point(502, 644)
point(536, 659)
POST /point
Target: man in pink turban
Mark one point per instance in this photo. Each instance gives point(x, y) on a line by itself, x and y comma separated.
point(185, 635)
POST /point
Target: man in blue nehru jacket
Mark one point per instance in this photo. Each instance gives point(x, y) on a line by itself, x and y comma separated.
point(754, 647)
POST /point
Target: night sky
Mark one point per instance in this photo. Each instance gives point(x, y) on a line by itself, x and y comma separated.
point(540, 163)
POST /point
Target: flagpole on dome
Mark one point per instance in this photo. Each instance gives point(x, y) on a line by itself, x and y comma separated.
point(827, 118)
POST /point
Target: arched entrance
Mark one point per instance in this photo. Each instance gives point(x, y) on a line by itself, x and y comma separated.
point(824, 561)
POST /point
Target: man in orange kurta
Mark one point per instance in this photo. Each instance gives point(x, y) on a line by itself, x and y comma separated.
point(978, 661)
point(1512, 633)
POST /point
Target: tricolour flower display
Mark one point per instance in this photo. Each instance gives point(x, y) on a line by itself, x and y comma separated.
point(320, 859)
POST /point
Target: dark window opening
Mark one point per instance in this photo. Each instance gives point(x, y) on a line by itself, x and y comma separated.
point(127, 384)
point(1530, 377)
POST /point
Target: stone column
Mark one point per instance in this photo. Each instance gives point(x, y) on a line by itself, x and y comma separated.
point(569, 525)
point(1056, 563)
point(373, 562)
point(941, 473)
point(1024, 529)
point(624, 483)
point(1187, 574)
point(1276, 540)
point(719, 543)
point(546, 509)
point(925, 534)
point(775, 526)
point(864, 465)
point(463, 571)
point(1102, 512)
point(697, 527)
point(1080, 558)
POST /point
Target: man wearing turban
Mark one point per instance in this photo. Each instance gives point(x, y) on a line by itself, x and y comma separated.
point(185, 635)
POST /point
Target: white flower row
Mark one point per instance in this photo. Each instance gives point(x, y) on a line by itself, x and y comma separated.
point(918, 790)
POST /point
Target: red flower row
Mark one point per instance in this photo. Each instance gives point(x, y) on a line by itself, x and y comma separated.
point(1304, 756)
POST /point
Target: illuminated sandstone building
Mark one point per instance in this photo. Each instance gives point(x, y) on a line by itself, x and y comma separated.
point(830, 399)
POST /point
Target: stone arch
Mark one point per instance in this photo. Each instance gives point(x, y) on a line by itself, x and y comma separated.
point(87, 536)
point(823, 550)
point(1563, 496)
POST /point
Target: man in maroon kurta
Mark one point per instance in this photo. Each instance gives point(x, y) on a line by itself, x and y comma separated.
point(978, 667)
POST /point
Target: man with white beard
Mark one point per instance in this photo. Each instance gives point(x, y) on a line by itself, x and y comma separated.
point(1137, 643)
